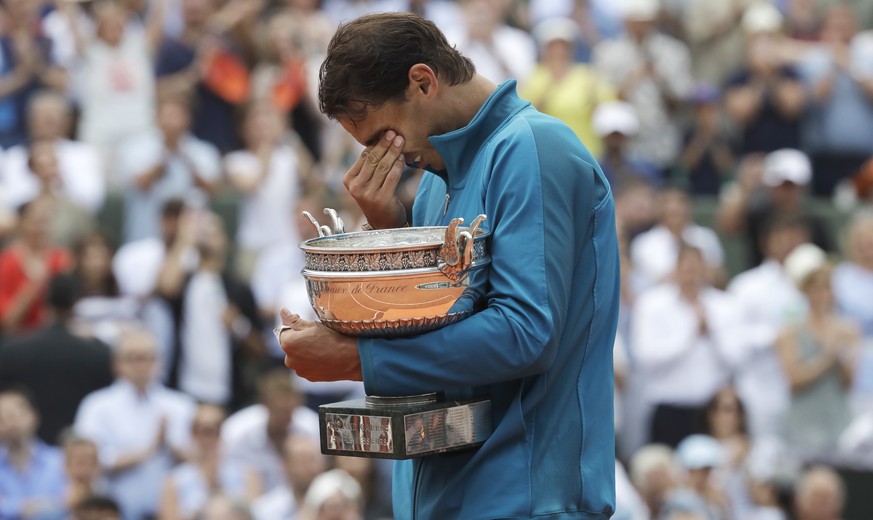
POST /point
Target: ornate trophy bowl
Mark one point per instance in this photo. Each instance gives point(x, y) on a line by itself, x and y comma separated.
point(394, 282)
point(398, 282)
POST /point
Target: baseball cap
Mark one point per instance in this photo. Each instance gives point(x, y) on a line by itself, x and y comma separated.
point(615, 117)
point(700, 451)
point(786, 165)
point(555, 29)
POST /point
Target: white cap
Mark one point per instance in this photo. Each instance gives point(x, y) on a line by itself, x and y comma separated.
point(615, 116)
point(329, 484)
point(641, 10)
point(700, 451)
point(804, 260)
point(762, 17)
point(555, 29)
point(786, 165)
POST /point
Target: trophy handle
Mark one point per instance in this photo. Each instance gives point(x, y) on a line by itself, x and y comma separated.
point(315, 223)
point(338, 225)
point(456, 253)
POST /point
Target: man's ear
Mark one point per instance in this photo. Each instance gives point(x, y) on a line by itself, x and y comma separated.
point(422, 81)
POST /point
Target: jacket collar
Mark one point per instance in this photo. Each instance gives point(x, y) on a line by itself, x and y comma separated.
point(459, 148)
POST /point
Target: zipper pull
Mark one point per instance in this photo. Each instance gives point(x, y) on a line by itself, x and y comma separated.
point(446, 208)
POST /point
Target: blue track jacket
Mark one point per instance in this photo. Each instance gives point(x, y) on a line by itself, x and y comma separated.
point(541, 349)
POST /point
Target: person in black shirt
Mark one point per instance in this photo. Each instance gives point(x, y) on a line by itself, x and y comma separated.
point(58, 367)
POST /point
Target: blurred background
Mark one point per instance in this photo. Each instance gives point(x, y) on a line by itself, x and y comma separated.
point(156, 155)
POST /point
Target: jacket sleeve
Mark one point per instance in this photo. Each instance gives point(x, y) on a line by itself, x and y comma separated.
point(512, 337)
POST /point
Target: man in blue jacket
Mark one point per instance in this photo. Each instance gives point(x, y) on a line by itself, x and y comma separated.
point(541, 349)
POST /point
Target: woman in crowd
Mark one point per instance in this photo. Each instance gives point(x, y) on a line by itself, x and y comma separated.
point(818, 356)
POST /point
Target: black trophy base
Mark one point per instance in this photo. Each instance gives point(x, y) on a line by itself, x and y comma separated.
point(403, 427)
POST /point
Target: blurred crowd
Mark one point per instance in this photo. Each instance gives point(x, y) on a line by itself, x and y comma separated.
point(139, 377)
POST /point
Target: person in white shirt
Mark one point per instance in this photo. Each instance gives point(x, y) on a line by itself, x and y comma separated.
point(654, 252)
point(141, 266)
point(163, 164)
point(117, 77)
point(769, 300)
point(268, 173)
point(686, 338)
point(80, 174)
point(140, 427)
point(302, 462)
point(256, 434)
point(215, 318)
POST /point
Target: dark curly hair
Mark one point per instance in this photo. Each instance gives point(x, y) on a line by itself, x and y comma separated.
point(368, 62)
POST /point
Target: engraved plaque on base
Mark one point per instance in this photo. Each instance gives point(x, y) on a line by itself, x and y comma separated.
point(403, 427)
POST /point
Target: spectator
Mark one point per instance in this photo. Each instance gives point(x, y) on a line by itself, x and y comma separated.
point(216, 322)
point(686, 337)
point(707, 159)
point(654, 473)
point(118, 83)
point(203, 65)
point(555, 85)
point(853, 278)
point(268, 173)
point(652, 71)
point(376, 500)
point(137, 267)
point(27, 67)
point(302, 462)
point(79, 173)
point(70, 220)
point(499, 52)
point(189, 486)
point(291, 47)
point(820, 495)
point(140, 427)
point(725, 421)
point(101, 311)
point(715, 37)
point(654, 252)
point(256, 435)
point(26, 266)
point(818, 355)
point(767, 190)
point(839, 76)
point(701, 456)
point(165, 164)
point(628, 503)
point(31, 473)
point(616, 122)
point(59, 367)
point(333, 494)
point(765, 98)
point(84, 478)
point(769, 300)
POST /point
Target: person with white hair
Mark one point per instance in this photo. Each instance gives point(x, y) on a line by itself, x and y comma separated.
point(333, 495)
point(818, 356)
point(141, 428)
point(655, 474)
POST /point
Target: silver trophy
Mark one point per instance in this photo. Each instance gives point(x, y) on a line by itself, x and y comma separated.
point(389, 283)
